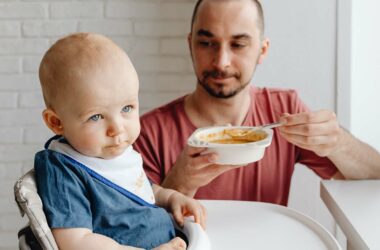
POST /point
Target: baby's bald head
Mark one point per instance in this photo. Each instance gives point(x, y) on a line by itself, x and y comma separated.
point(74, 58)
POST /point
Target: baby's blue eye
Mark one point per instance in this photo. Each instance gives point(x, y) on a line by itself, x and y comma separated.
point(127, 109)
point(95, 118)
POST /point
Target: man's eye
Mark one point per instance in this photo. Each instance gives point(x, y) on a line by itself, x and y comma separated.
point(127, 108)
point(95, 118)
point(205, 43)
point(238, 45)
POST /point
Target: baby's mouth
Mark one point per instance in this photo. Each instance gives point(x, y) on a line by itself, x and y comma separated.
point(117, 145)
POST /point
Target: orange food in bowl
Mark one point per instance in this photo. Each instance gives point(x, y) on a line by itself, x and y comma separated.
point(235, 136)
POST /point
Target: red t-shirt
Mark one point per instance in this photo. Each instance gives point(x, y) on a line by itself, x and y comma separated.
point(165, 130)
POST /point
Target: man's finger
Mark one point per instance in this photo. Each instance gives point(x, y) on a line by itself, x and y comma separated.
point(203, 160)
point(193, 151)
point(308, 117)
point(308, 140)
point(312, 129)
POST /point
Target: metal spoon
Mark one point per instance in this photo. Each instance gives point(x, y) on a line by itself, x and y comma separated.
point(271, 125)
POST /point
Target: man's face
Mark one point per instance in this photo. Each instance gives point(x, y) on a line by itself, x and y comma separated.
point(226, 46)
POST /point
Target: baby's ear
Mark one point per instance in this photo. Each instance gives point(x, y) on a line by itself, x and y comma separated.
point(53, 121)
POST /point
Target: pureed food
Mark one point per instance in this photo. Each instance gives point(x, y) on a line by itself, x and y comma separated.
point(235, 136)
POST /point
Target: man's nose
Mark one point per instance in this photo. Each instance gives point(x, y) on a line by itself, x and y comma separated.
point(115, 128)
point(222, 58)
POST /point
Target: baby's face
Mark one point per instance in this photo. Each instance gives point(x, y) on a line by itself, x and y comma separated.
point(99, 114)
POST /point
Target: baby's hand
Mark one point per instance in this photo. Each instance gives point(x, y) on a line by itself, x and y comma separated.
point(181, 206)
point(175, 244)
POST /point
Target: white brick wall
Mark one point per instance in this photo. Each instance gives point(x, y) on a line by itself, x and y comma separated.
point(153, 32)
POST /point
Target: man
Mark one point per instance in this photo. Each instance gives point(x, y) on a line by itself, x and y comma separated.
point(226, 43)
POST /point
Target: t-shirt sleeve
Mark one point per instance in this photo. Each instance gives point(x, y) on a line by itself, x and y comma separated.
point(144, 146)
point(322, 166)
point(62, 191)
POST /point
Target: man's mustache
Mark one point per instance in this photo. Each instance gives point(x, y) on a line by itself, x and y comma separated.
point(217, 73)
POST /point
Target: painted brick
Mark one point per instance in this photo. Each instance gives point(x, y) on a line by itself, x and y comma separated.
point(138, 46)
point(106, 27)
point(161, 29)
point(8, 205)
point(27, 165)
point(6, 187)
point(152, 100)
point(48, 28)
point(15, 117)
point(143, 46)
point(8, 100)
point(133, 10)
point(23, 46)
point(150, 10)
point(32, 100)
point(8, 240)
point(10, 29)
point(175, 46)
point(177, 10)
point(123, 42)
point(19, 82)
point(31, 64)
point(37, 134)
point(11, 135)
point(12, 222)
point(10, 64)
point(12, 153)
point(76, 10)
point(11, 170)
point(167, 83)
point(160, 64)
point(23, 10)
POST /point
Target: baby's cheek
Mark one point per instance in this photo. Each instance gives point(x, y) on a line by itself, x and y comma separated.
point(89, 144)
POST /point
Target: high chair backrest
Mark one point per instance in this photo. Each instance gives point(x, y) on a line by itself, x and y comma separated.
point(29, 203)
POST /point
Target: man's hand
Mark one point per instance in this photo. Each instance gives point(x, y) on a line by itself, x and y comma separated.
point(193, 169)
point(315, 131)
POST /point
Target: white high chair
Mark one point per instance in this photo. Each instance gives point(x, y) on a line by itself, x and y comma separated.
point(37, 234)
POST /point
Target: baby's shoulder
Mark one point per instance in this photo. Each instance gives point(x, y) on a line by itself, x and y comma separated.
point(49, 164)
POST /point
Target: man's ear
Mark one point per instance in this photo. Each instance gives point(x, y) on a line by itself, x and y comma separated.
point(264, 50)
point(53, 121)
point(189, 36)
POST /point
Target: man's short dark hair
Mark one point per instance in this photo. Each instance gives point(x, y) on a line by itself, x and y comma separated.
point(259, 8)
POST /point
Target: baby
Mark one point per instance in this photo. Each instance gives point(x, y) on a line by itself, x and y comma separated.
point(94, 191)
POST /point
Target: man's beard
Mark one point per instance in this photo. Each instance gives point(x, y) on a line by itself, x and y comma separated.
point(220, 93)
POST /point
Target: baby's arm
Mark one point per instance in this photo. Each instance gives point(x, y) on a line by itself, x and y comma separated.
point(179, 204)
point(84, 238)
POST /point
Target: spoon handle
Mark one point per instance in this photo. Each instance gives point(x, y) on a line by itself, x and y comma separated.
point(272, 125)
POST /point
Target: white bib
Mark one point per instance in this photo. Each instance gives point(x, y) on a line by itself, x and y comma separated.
point(124, 170)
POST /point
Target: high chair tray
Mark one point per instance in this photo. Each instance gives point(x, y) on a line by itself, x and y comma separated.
point(256, 225)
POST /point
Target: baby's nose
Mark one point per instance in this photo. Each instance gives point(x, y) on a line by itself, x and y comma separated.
point(114, 129)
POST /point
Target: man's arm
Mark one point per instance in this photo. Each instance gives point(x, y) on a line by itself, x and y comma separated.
point(355, 159)
point(320, 132)
point(193, 169)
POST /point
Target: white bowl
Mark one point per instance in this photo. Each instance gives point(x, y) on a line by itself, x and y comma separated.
point(232, 154)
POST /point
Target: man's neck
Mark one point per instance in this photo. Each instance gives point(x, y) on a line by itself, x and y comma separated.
point(205, 110)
